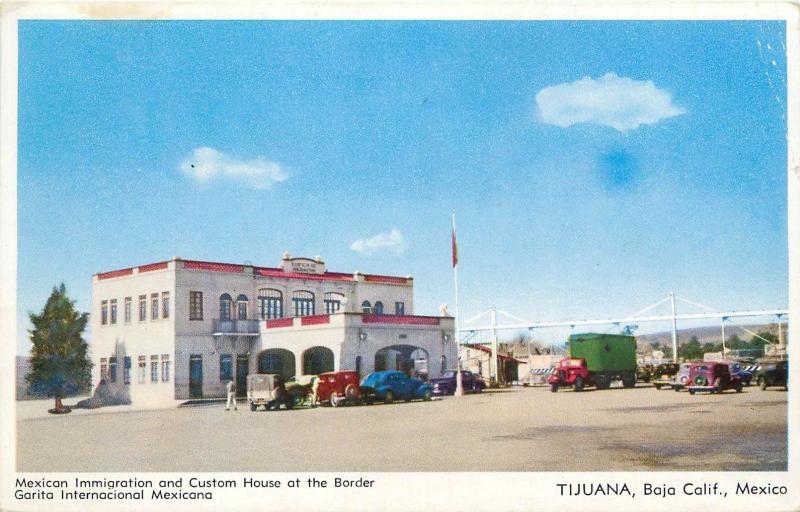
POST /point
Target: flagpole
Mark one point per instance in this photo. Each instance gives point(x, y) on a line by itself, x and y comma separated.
point(459, 391)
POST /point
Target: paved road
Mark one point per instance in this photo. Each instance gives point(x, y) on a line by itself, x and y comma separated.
point(521, 429)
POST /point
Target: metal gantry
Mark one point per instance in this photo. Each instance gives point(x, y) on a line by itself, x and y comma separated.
point(521, 324)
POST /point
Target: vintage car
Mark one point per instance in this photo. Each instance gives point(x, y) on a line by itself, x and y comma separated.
point(713, 377)
point(268, 390)
point(773, 374)
point(390, 385)
point(338, 388)
point(664, 374)
point(744, 375)
point(677, 381)
point(446, 384)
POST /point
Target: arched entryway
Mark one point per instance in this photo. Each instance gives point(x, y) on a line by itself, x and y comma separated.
point(405, 358)
point(277, 360)
point(317, 360)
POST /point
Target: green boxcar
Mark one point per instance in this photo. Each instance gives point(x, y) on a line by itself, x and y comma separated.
point(605, 353)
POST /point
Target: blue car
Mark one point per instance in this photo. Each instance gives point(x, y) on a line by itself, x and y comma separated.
point(389, 386)
point(737, 369)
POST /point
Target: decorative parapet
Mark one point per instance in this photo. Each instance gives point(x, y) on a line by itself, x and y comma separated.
point(400, 319)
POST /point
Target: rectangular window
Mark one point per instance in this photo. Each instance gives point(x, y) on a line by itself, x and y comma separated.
point(164, 304)
point(113, 311)
point(195, 305)
point(142, 308)
point(103, 368)
point(399, 308)
point(154, 306)
point(270, 307)
point(127, 373)
point(127, 312)
point(225, 367)
point(112, 369)
point(165, 367)
point(332, 306)
point(303, 306)
point(153, 368)
point(142, 369)
point(104, 312)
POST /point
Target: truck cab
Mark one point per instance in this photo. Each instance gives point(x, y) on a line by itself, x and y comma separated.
point(571, 371)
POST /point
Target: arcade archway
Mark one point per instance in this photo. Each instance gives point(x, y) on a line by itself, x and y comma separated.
point(317, 360)
point(277, 360)
point(405, 358)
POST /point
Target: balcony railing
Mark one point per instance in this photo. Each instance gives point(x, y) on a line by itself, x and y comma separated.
point(236, 326)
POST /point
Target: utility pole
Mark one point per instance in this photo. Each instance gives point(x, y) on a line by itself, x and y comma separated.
point(530, 340)
point(723, 337)
point(674, 329)
point(459, 391)
point(495, 373)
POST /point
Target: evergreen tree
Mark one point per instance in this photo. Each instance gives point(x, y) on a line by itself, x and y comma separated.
point(59, 363)
point(691, 349)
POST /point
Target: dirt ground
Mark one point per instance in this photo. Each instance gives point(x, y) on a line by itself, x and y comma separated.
point(519, 429)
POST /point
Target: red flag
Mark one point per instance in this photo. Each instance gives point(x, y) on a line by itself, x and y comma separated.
point(455, 248)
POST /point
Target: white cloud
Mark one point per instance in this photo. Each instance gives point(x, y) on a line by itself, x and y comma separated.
point(393, 241)
point(206, 164)
point(611, 100)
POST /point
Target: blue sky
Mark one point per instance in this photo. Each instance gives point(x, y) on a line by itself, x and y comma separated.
point(594, 166)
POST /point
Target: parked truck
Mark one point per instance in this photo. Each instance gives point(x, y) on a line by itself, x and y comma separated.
point(596, 360)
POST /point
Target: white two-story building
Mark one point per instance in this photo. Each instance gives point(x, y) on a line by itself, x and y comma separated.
point(180, 329)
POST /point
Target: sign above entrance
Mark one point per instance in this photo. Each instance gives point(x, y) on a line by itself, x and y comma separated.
point(302, 265)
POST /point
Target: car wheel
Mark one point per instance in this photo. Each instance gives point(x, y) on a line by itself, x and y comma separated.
point(579, 384)
point(691, 391)
point(658, 386)
point(388, 397)
point(335, 401)
point(426, 395)
point(762, 383)
point(554, 387)
point(252, 407)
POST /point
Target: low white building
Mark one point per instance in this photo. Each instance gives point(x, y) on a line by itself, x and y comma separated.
point(180, 329)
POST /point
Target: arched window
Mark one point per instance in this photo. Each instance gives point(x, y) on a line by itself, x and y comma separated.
point(225, 306)
point(241, 307)
point(270, 303)
point(333, 302)
point(303, 302)
point(379, 308)
point(366, 307)
point(358, 366)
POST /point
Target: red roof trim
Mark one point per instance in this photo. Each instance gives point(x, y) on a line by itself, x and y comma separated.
point(315, 320)
point(212, 266)
point(215, 266)
point(280, 322)
point(327, 276)
point(489, 351)
point(153, 266)
point(371, 278)
point(115, 273)
point(400, 319)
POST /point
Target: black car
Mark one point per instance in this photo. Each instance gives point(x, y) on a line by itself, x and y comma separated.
point(773, 374)
point(446, 384)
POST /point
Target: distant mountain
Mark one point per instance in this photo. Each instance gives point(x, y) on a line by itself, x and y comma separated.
point(707, 334)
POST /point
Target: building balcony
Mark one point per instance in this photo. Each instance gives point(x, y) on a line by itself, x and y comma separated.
point(236, 327)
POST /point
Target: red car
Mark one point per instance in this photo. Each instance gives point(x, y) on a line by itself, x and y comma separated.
point(712, 377)
point(338, 388)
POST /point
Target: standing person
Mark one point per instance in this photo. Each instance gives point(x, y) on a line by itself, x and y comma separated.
point(231, 388)
point(314, 388)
